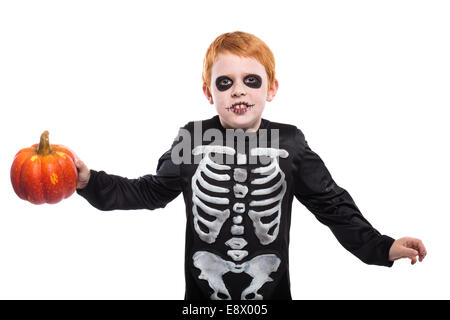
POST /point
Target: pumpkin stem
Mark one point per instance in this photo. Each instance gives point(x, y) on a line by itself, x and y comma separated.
point(44, 146)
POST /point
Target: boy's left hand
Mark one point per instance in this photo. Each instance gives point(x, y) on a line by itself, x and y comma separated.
point(407, 248)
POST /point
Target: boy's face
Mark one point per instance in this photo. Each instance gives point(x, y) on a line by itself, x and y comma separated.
point(239, 90)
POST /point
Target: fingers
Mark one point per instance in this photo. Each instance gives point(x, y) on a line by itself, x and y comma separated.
point(79, 163)
point(412, 255)
point(411, 248)
point(407, 248)
point(422, 250)
point(83, 174)
point(410, 252)
point(418, 245)
point(81, 166)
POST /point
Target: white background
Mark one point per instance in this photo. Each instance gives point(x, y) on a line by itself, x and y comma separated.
point(366, 81)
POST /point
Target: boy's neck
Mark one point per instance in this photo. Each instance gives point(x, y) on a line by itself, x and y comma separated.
point(253, 128)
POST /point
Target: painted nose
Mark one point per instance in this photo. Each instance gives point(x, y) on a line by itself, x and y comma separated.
point(238, 91)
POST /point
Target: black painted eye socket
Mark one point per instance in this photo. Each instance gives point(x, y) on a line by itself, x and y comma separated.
point(253, 81)
point(223, 83)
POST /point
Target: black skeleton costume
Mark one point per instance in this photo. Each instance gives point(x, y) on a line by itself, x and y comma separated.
point(239, 212)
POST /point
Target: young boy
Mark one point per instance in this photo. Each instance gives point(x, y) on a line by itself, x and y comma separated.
point(239, 210)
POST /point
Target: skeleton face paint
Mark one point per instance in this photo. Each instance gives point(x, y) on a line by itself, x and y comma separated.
point(224, 83)
point(239, 90)
point(253, 81)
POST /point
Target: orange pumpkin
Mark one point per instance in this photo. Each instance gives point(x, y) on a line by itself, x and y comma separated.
point(44, 173)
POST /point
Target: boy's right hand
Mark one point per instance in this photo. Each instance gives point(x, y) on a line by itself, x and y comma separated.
point(83, 174)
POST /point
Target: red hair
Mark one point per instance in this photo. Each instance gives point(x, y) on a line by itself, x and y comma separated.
point(242, 44)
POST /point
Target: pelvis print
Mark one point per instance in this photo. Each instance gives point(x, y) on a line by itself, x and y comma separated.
point(214, 204)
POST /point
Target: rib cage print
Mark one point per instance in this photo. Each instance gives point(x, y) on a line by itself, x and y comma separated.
point(263, 230)
point(221, 192)
point(200, 199)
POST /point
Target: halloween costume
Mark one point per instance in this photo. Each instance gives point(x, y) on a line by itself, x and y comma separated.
point(239, 213)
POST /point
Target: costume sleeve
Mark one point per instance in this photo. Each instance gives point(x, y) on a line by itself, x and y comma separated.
point(334, 207)
point(109, 192)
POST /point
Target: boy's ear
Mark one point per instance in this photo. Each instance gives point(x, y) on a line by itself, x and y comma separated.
point(272, 90)
point(207, 93)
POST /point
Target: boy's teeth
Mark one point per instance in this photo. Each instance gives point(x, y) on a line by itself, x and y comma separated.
point(240, 108)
